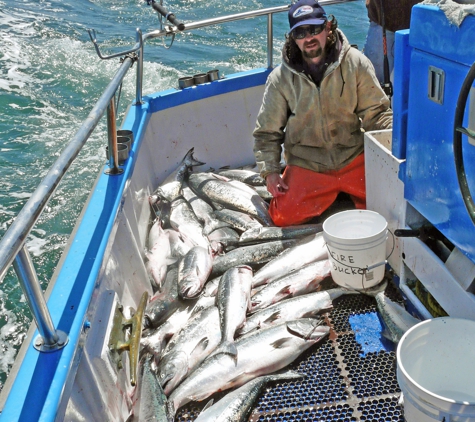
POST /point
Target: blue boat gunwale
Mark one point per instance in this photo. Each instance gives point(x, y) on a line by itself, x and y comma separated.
point(72, 287)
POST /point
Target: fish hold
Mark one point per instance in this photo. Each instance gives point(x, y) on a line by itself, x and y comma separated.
point(250, 255)
point(237, 405)
point(396, 318)
point(218, 189)
point(233, 301)
point(170, 189)
point(309, 249)
point(260, 353)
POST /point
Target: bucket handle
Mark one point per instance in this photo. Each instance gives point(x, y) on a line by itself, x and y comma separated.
point(368, 267)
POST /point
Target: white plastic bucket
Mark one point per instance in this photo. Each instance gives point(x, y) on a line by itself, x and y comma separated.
point(356, 241)
point(436, 370)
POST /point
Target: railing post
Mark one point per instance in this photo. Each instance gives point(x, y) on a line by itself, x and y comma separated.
point(50, 339)
point(112, 140)
point(138, 85)
point(270, 46)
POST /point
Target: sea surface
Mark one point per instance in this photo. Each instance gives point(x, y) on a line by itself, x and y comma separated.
point(51, 77)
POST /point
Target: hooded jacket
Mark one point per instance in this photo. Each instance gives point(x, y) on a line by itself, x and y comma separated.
point(321, 127)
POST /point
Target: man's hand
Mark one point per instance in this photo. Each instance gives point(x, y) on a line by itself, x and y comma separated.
point(276, 185)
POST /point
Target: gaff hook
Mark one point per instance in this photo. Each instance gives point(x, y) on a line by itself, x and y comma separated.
point(92, 36)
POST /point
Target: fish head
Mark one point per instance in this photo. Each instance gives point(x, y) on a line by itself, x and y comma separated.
point(190, 288)
point(171, 370)
point(308, 329)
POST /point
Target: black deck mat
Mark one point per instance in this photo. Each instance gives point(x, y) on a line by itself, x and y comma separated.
point(342, 383)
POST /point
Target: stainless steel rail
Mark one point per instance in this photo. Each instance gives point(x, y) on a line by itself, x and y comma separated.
point(12, 246)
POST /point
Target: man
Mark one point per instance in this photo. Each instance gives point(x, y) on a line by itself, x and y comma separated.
point(317, 104)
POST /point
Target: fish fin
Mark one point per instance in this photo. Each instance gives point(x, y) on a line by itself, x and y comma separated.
point(200, 346)
point(300, 329)
point(281, 343)
point(274, 317)
point(388, 335)
point(284, 292)
point(229, 348)
point(221, 177)
point(207, 406)
point(313, 313)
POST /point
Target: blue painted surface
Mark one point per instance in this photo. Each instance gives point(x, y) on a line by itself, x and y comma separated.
point(401, 93)
point(368, 330)
point(433, 33)
point(40, 383)
point(430, 178)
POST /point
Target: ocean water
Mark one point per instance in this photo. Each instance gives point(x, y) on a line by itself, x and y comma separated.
point(51, 77)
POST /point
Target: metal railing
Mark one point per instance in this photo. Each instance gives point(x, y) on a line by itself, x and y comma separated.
point(12, 246)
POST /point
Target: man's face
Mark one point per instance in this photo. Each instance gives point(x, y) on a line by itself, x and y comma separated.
point(311, 40)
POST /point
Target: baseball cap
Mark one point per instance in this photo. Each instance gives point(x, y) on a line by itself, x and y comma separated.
point(306, 12)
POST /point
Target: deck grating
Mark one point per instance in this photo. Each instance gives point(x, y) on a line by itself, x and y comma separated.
point(343, 382)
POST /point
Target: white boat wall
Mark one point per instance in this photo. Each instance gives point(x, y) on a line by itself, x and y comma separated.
point(86, 373)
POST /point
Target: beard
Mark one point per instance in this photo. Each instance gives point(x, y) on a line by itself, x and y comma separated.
point(312, 54)
point(312, 49)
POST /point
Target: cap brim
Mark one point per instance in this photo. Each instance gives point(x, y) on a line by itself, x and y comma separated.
point(308, 22)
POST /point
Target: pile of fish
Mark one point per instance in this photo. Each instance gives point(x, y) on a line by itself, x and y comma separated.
point(236, 298)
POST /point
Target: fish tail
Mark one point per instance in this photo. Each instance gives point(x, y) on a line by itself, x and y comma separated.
point(227, 347)
point(190, 160)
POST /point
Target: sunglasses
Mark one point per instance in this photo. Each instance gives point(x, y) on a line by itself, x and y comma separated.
point(301, 32)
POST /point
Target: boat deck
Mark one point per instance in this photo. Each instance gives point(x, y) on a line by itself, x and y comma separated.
point(351, 375)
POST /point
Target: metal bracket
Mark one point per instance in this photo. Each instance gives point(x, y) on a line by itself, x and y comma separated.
point(119, 342)
point(92, 36)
